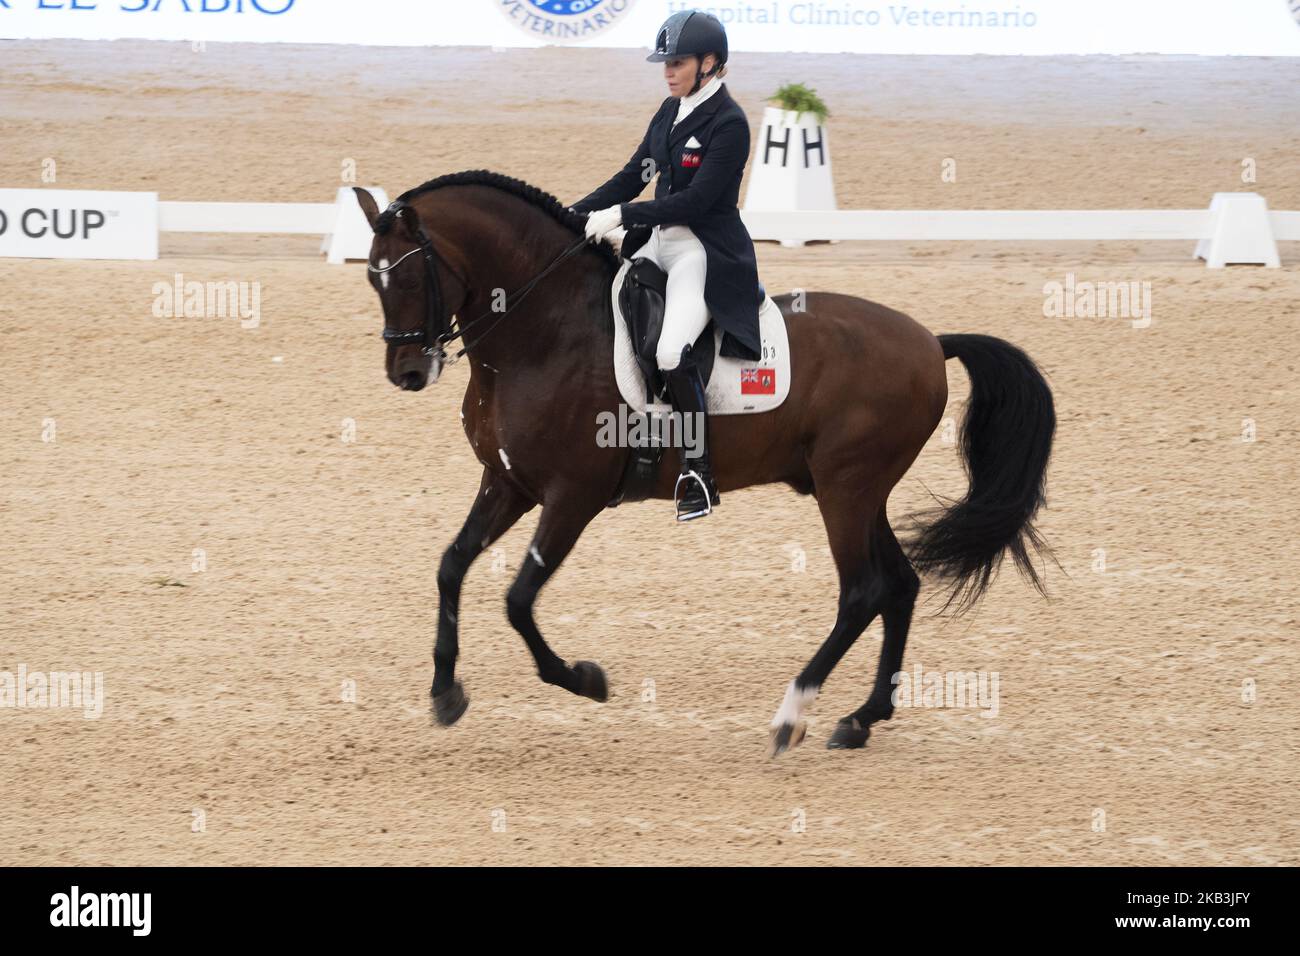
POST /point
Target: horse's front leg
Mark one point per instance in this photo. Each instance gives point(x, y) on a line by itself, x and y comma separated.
point(558, 530)
point(497, 507)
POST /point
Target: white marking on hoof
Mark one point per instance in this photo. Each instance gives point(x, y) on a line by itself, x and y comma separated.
point(504, 460)
point(536, 556)
point(796, 702)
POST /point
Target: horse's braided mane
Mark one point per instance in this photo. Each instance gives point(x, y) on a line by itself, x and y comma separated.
point(538, 198)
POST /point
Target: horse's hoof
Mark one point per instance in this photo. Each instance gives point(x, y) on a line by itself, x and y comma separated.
point(450, 705)
point(849, 735)
point(591, 681)
point(786, 737)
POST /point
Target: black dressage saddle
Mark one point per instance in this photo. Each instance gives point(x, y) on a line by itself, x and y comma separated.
point(641, 300)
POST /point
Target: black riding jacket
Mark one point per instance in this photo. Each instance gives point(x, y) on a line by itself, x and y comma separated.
point(697, 187)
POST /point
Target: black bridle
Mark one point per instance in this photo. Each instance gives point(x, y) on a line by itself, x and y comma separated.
point(436, 331)
point(439, 330)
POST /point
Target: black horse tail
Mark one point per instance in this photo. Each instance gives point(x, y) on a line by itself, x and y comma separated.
point(1006, 441)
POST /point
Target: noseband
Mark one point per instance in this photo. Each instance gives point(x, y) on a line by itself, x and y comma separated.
point(438, 332)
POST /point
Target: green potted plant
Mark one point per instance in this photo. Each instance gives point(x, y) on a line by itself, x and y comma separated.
point(799, 99)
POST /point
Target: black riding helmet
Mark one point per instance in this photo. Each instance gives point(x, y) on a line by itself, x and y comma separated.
point(691, 33)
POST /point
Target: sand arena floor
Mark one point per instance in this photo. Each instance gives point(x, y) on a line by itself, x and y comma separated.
point(1122, 696)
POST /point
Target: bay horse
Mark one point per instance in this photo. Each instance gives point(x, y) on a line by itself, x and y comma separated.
point(531, 303)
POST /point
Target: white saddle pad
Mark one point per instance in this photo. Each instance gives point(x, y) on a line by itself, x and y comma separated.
point(737, 386)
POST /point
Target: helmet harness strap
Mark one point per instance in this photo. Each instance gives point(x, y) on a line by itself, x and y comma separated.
point(700, 74)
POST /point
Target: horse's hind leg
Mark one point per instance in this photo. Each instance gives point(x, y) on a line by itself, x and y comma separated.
point(497, 507)
point(896, 604)
point(558, 530)
point(853, 545)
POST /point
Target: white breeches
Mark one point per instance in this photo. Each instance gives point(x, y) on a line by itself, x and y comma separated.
point(677, 251)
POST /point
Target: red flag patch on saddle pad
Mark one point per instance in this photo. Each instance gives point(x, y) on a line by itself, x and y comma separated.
point(758, 381)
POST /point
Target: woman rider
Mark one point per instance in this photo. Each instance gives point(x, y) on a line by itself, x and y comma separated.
point(697, 144)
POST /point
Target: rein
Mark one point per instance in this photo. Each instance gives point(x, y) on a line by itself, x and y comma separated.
point(436, 333)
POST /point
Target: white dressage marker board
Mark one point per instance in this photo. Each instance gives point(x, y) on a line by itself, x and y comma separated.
point(350, 234)
point(78, 224)
point(791, 168)
point(1241, 232)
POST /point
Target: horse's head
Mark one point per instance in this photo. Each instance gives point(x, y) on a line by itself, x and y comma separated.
point(417, 290)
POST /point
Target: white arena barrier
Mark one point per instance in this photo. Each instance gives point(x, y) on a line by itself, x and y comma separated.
point(1237, 228)
point(290, 218)
point(342, 223)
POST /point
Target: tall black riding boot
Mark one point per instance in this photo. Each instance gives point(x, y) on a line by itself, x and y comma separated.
point(696, 492)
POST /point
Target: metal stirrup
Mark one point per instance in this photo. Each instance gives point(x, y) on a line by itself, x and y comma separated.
point(708, 498)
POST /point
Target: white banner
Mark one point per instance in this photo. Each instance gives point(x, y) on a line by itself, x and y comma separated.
point(1209, 27)
point(78, 224)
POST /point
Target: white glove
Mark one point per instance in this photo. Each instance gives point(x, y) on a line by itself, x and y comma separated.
point(615, 238)
point(603, 221)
